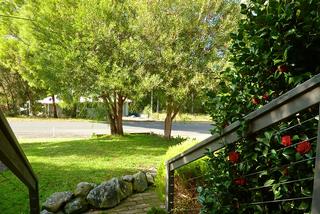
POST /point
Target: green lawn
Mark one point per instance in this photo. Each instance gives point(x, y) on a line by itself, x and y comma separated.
point(62, 164)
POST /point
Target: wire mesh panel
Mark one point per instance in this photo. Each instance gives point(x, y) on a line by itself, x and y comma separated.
point(187, 180)
point(14, 195)
point(267, 172)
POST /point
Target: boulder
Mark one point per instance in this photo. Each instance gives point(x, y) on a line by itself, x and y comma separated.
point(84, 188)
point(77, 205)
point(57, 200)
point(106, 195)
point(140, 183)
point(150, 178)
point(128, 178)
point(125, 188)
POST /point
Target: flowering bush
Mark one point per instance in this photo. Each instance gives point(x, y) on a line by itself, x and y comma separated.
point(276, 48)
point(262, 168)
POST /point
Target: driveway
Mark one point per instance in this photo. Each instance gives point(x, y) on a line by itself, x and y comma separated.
point(33, 128)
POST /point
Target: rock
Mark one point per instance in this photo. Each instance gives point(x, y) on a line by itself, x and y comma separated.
point(140, 183)
point(45, 212)
point(106, 195)
point(128, 178)
point(77, 205)
point(125, 188)
point(150, 178)
point(152, 170)
point(57, 200)
point(84, 188)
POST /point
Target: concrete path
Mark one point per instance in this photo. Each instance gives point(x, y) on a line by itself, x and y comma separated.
point(41, 128)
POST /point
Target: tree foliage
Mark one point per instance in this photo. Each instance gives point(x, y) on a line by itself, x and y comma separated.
point(183, 41)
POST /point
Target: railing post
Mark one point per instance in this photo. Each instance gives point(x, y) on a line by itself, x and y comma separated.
point(316, 183)
point(169, 188)
point(34, 200)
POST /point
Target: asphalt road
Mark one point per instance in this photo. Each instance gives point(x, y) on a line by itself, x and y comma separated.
point(24, 128)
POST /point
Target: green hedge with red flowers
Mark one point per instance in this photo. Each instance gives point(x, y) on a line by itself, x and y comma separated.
point(277, 47)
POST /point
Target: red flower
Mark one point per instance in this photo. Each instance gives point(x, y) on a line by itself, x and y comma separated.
point(255, 101)
point(282, 68)
point(286, 140)
point(234, 157)
point(240, 181)
point(303, 148)
point(265, 96)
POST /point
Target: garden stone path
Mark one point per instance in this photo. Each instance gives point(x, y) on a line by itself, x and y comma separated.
point(138, 203)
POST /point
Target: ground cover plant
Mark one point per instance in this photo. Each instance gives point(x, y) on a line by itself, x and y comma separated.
point(61, 164)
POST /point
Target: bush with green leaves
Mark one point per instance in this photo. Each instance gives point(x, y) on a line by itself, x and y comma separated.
point(155, 210)
point(190, 170)
point(277, 47)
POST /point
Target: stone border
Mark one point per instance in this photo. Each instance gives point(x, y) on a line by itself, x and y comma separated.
point(90, 196)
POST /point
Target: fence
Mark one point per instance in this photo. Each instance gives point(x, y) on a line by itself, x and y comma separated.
point(12, 156)
point(305, 97)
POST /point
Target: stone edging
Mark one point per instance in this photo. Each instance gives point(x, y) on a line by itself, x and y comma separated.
point(98, 197)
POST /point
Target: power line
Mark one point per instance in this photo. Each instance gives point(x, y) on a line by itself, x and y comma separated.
point(15, 17)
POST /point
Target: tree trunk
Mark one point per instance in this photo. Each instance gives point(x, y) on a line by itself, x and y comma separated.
point(120, 102)
point(158, 106)
point(74, 110)
point(113, 127)
point(167, 126)
point(114, 113)
point(55, 114)
point(172, 112)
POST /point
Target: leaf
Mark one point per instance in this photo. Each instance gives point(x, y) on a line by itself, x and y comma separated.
point(265, 152)
point(303, 206)
point(296, 137)
point(264, 172)
point(305, 191)
point(255, 157)
point(269, 182)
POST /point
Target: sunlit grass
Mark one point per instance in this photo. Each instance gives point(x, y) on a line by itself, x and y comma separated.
point(61, 164)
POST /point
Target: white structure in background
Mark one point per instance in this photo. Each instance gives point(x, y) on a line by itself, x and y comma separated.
point(48, 105)
point(125, 110)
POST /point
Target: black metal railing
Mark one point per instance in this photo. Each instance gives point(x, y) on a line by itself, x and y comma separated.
point(12, 156)
point(305, 97)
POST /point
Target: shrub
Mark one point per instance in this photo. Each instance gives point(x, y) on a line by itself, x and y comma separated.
point(155, 210)
point(275, 49)
point(181, 174)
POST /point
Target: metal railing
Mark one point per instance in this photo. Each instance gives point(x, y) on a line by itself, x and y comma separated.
point(299, 99)
point(12, 156)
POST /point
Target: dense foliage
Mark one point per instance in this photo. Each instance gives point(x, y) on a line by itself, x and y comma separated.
point(119, 50)
point(276, 47)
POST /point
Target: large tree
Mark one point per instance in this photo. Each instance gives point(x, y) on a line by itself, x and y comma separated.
point(14, 91)
point(185, 41)
point(47, 37)
point(109, 41)
point(84, 48)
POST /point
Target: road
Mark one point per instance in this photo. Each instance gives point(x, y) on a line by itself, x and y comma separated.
point(24, 128)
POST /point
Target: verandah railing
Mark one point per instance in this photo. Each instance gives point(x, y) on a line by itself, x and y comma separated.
point(287, 106)
point(12, 156)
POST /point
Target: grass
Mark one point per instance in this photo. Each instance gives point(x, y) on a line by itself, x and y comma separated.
point(183, 117)
point(60, 165)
